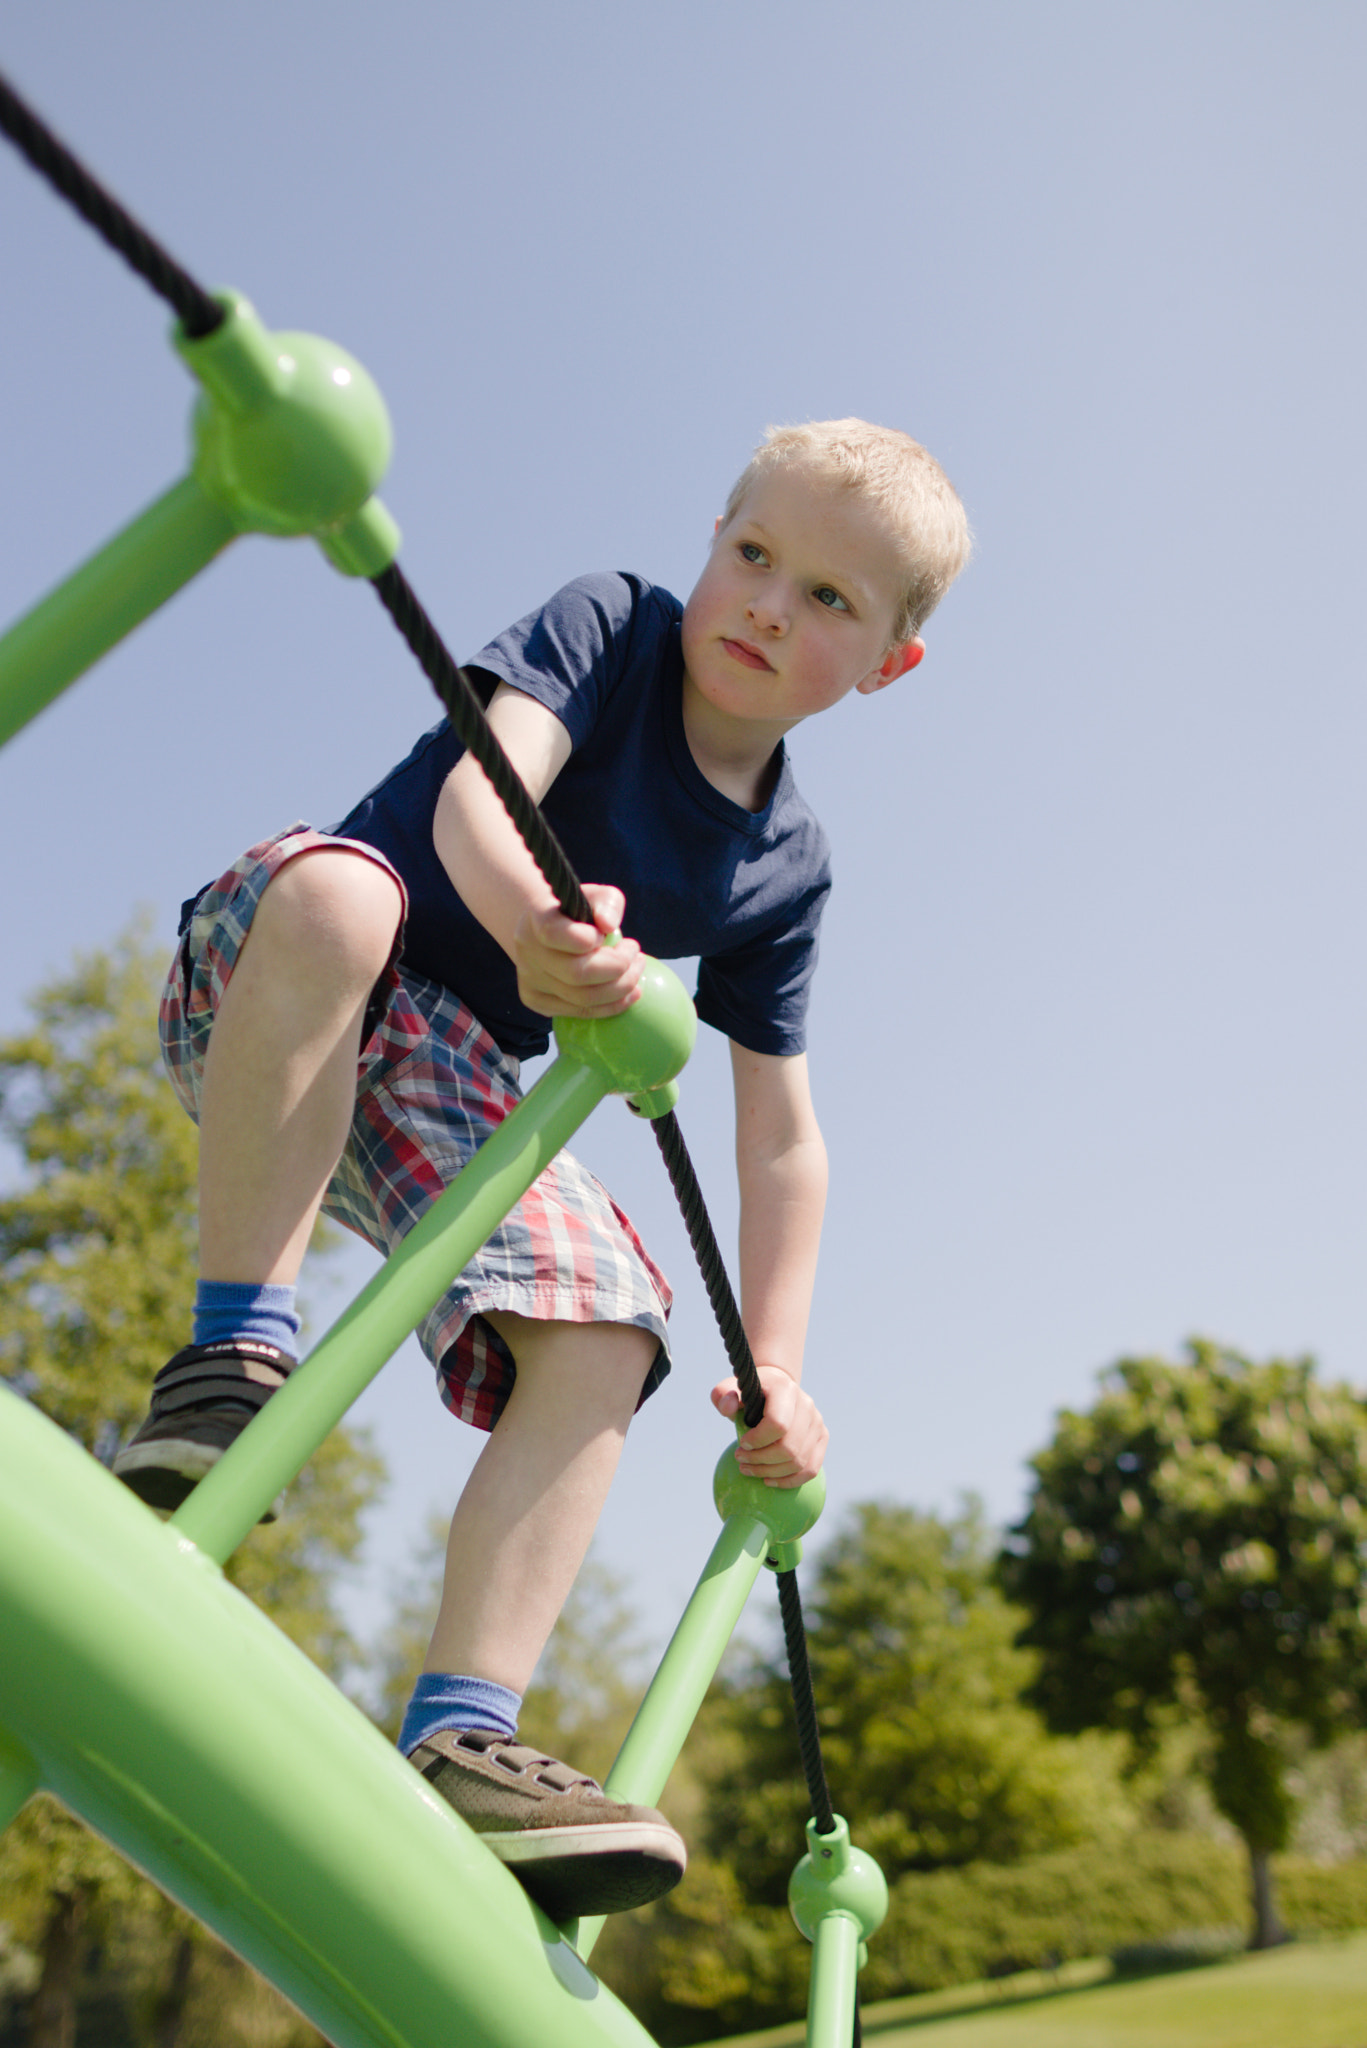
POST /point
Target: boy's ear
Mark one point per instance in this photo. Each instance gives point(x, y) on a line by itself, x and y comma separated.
point(895, 663)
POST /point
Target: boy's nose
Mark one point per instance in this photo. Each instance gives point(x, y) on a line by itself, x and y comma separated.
point(768, 612)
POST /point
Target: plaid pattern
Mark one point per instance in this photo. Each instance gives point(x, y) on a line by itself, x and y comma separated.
point(431, 1085)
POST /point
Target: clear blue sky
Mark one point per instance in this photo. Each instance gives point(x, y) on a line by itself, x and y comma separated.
point(1088, 1037)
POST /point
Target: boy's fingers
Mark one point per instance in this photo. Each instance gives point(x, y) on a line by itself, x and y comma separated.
point(609, 907)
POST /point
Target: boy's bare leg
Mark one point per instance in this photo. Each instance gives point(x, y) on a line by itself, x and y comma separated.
point(518, 1537)
point(280, 1073)
point(530, 1507)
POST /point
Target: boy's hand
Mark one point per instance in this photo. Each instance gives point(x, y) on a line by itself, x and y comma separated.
point(787, 1446)
point(565, 970)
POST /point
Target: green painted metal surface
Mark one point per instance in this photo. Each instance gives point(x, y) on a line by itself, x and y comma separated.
point(835, 1877)
point(834, 1983)
point(102, 601)
point(163, 1708)
point(290, 436)
point(839, 1898)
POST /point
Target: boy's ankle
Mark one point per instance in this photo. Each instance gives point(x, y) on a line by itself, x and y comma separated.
point(225, 1309)
point(446, 1699)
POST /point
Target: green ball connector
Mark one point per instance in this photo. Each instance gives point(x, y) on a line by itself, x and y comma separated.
point(291, 436)
point(835, 1877)
point(640, 1051)
point(787, 1512)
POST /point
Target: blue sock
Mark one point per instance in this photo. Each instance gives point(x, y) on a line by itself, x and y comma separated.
point(443, 1699)
point(236, 1308)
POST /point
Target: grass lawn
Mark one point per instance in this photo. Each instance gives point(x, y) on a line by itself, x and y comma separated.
point(1310, 1995)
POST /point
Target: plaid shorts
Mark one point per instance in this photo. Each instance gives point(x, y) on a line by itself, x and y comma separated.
point(431, 1085)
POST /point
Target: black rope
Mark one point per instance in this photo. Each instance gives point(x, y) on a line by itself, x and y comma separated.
point(701, 1236)
point(804, 1703)
point(804, 1713)
point(199, 314)
point(466, 714)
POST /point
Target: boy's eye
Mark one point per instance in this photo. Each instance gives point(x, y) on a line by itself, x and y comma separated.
point(751, 551)
point(832, 599)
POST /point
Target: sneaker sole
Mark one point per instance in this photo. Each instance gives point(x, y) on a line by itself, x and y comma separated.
point(574, 1872)
point(143, 1468)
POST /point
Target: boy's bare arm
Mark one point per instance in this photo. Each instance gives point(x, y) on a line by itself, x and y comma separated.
point(563, 968)
point(781, 1165)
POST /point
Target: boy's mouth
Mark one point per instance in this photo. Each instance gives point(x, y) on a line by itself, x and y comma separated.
point(746, 655)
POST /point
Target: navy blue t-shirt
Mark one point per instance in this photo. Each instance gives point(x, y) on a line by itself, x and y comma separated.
point(702, 876)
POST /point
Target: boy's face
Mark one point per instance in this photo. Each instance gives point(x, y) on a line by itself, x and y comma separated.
point(795, 606)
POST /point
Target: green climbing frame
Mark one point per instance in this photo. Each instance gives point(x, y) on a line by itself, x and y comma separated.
point(138, 1685)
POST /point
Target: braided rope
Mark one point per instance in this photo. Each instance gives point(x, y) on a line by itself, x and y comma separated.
point(804, 1703)
point(466, 714)
point(698, 1223)
point(199, 314)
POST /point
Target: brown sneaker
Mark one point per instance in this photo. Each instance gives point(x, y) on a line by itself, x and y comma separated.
point(575, 1850)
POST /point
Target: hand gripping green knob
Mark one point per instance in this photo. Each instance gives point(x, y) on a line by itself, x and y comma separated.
point(639, 1051)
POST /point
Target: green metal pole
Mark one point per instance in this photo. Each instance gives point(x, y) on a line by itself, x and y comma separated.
point(834, 1981)
point(290, 437)
point(678, 1689)
point(640, 1050)
point(279, 1441)
point(167, 1712)
point(839, 1898)
point(670, 1707)
point(758, 1521)
point(103, 600)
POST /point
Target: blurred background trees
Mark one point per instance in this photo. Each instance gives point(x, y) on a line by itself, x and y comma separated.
point(1197, 1538)
point(935, 1759)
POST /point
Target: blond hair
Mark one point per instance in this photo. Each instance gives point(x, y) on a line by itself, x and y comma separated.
point(928, 524)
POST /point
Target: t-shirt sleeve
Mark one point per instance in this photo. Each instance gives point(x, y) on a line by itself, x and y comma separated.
point(570, 652)
point(757, 992)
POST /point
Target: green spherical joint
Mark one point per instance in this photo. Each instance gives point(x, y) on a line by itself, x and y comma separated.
point(643, 1048)
point(291, 434)
point(787, 1512)
point(835, 1877)
point(654, 1102)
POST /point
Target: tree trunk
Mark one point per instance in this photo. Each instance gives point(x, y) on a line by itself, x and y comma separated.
point(52, 2015)
point(170, 2008)
point(1268, 1931)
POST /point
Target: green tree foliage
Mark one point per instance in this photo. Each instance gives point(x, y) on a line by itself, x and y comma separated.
point(1200, 1532)
point(929, 1753)
point(97, 1253)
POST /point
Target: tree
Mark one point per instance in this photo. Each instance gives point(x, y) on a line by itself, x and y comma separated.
point(930, 1755)
point(97, 1253)
point(1200, 1534)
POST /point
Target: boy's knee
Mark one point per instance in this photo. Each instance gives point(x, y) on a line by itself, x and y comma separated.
point(620, 1352)
point(332, 905)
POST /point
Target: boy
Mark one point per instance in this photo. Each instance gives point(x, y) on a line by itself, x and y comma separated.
point(346, 1014)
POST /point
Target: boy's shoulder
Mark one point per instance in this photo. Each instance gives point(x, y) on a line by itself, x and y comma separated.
point(605, 603)
point(578, 647)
